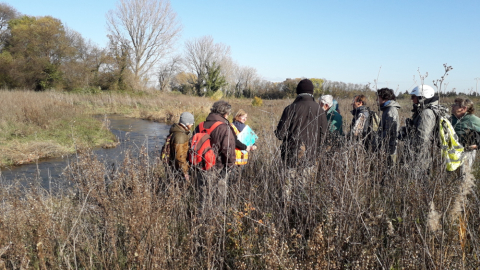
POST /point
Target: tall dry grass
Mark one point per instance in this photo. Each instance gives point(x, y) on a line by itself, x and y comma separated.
point(352, 212)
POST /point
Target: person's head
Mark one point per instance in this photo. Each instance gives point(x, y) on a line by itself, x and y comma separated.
point(305, 86)
point(421, 92)
point(241, 116)
point(359, 101)
point(326, 102)
point(221, 107)
point(187, 119)
point(462, 106)
point(385, 94)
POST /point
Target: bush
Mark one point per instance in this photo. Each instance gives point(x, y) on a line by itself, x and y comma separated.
point(217, 95)
point(257, 102)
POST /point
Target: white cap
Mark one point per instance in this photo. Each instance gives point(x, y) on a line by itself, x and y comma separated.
point(425, 91)
point(327, 100)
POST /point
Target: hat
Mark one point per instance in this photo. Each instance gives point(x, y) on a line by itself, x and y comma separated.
point(305, 86)
point(186, 118)
point(327, 100)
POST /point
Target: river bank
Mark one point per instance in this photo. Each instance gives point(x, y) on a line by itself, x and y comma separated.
point(37, 125)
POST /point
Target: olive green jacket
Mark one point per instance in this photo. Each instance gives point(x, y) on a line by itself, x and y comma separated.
point(179, 147)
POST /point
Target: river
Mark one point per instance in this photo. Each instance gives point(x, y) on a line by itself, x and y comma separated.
point(132, 135)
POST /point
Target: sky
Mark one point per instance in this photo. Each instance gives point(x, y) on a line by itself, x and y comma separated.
point(350, 41)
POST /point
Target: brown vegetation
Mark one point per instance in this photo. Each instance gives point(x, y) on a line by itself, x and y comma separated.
point(339, 217)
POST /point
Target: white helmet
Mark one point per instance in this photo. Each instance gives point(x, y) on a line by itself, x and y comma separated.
point(426, 91)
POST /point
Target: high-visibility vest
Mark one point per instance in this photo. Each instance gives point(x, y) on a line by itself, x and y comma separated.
point(241, 156)
point(452, 150)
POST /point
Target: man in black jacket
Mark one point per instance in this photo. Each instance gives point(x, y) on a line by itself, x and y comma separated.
point(302, 128)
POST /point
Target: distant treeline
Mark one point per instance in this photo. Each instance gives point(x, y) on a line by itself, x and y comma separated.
point(40, 53)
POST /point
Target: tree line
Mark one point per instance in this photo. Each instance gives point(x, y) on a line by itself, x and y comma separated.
point(42, 53)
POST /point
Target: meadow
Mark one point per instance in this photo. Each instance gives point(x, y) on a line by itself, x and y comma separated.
point(352, 212)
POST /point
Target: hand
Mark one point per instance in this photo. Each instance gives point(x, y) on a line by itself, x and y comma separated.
point(472, 147)
point(187, 177)
point(249, 148)
point(254, 147)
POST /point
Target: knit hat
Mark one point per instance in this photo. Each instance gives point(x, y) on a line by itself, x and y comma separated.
point(186, 118)
point(305, 86)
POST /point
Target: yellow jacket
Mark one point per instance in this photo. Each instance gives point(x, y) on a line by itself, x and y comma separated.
point(241, 157)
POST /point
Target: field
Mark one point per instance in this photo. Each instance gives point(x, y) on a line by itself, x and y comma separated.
point(352, 212)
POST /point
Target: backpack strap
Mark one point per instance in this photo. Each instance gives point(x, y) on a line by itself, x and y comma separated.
point(214, 126)
point(201, 129)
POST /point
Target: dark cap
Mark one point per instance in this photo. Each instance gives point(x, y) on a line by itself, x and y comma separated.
point(305, 86)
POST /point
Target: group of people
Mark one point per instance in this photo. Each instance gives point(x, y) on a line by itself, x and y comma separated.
point(306, 124)
point(230, 151)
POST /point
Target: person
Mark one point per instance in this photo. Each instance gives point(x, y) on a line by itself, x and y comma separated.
point(419, 130)
point(212, 184)
point(179, 143)
point(389, 123)
point(223, 137)
point(359, 125)
point(467, 127)
point(301, 128)
point(335, 120)
point(241, 150)
point(335, 106)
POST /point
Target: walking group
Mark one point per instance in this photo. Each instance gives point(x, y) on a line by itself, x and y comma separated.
point(306, 127)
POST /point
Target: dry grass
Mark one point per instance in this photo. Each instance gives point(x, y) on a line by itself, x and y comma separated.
point(138, 216)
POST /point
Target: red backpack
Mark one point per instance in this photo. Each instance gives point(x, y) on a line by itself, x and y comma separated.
point(201, 153)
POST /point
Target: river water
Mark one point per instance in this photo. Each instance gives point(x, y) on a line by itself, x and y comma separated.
point(132, 135)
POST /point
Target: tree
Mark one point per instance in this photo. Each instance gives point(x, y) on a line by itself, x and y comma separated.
point(167, 71)
point(7, 13)
point(149, 27)
point(38, 47)
point(244, 79)
point(214, 81)
point(200, 54)
point(117, 75)
point(184, 82)
point(82, 68)
point(289, 86)
point(317, 86)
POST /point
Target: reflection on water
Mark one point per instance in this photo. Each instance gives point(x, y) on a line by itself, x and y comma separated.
point(133, 134)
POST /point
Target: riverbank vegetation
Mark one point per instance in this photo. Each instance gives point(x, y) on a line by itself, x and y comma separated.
point(340, 216)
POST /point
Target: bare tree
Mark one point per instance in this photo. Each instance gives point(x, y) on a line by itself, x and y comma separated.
point(244, 78)
point(200, 54)
point(167, 72)
point(150, 28)
point(7, 13)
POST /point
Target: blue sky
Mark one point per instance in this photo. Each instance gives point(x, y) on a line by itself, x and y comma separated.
point(349, 41)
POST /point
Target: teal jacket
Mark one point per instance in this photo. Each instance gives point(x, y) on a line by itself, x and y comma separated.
point(464, 124)
point(335, 121)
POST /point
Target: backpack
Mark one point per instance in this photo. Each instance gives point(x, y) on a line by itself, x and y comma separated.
point(373, 120)
point(452, 150)
point(200, 153)
point(166, 150)
point(448, 141)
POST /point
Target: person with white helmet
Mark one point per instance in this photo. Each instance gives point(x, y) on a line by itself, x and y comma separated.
point(420, 128)
point(423, 119)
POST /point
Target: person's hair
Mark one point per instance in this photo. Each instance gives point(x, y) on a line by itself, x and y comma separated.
point(386, 94)
point(327, 100)
point(465, 102)
point(361, 98)
point(221, 107)
point(239, 114)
